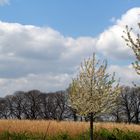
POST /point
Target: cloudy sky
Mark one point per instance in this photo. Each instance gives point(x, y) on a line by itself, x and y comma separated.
point(43, 42)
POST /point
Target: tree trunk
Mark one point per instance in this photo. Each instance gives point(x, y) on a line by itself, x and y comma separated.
point(81, 119)
point(91, 126)
point(137, 117)
point(74, 116)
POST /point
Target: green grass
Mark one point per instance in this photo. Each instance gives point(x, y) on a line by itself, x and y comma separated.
point(117, 134)
point(102, 134)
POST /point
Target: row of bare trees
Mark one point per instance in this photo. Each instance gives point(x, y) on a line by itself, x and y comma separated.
point(128, 106)
point(37, 105)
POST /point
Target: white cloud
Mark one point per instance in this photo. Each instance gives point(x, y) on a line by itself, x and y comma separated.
point(126, 73)
point(131, 18)
point(42, 52)
point(39, 50)
point(3, 2)
point(43, 82)
point(43, 58)
point(110, 42)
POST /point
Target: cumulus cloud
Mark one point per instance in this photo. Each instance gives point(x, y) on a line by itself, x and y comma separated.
point(3, 2)
point(39, 50)
point(27, 50)
point(110, 42)
point(43, 58)
point(49, 81)
point(126, 74)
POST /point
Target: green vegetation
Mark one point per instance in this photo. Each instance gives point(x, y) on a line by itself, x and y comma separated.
point(102, 134)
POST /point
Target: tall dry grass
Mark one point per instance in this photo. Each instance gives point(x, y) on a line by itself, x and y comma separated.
point(45, 127)
point(55, 127)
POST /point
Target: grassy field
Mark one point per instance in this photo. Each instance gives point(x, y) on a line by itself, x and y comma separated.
point(65, 130)
point(43, 127)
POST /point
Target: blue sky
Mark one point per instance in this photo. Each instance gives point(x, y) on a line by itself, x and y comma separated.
point(42, 42)
point(70, 17)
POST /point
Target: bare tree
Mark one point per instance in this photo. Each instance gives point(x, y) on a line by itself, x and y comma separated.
point(49, 106)
point(17, 102)
point(61, 102)
point(32, 104)
point(4, 110)
point(54, 105)
point(117, 111)
point(126, 103)
point(92, 92)
point(136, 103)
point(9, 103)
point(73, 113)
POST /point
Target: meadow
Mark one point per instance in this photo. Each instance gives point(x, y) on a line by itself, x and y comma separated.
point(65, 130)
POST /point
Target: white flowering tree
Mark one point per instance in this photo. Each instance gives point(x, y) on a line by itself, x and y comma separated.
point(133, 43)
point(93, 91)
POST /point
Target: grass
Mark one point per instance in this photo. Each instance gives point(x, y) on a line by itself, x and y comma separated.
point(121, 126)
point(43, 127)
point(65, 130)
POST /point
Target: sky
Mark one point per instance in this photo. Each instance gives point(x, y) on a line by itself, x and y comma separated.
point(43, 42)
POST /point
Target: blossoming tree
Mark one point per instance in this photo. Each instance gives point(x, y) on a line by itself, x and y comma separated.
point(133, 43)
point(93, 91)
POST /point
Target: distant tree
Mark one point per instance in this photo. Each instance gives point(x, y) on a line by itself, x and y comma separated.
point(9, 106)
point(54, 105)
point(93, 91)
point(18, 102)
point(133, 43)
point(136, 103)
point(49, 106)
point(116, 113)
point(45, 114)
point(61, 102)
point(73, 113)
point(32, 104)
point(4, 110)
point(126, 103)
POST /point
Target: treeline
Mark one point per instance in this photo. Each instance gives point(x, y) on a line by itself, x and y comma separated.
point(128, 105)
point(55, 106)
point(35, 105)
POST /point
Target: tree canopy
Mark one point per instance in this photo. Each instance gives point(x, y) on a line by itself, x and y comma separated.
point(93, 90)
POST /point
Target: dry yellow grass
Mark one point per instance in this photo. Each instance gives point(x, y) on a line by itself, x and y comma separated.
point(55, 127)
point(42, 126)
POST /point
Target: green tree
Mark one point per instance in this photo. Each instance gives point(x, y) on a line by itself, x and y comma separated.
point(133, 43)
point(93, 91)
